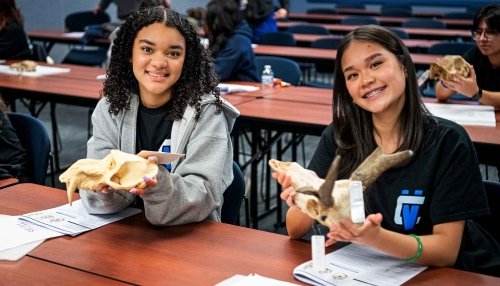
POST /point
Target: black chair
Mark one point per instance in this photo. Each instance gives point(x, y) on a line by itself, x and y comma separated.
point(459, 15)
point(329, 11)
point(286, 69)
point(279, 38)
point(324, 67)
point(424, 23)
point(233, 196)
point(490, 222)
point(77, 22)
point(359, 20)
point(451, 48)
point(35, 139)
point(402, 34)
point(396, 12)
point(308, 29)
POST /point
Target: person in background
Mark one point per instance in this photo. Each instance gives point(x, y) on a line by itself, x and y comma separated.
point(483, 84)
point(123, 7)
point(195, 16)
point(378, 104)
point(13, 157)
point(262, 16)
point(160, 93)
point(229, 38)
point(13, 39)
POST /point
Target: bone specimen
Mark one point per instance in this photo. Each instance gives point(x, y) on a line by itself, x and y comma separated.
point(24, 66)
point(328, 201)
point(118, 170)
point(446, 67)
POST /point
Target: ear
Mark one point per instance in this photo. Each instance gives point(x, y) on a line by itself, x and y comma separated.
point(313, 208)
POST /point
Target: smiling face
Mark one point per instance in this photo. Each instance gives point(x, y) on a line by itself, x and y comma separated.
point(374, 78)
point(158, 57)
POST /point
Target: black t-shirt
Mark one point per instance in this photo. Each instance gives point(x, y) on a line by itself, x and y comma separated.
point(14, 43)
point(488, 78)
point(441, 183)
point(153, 127)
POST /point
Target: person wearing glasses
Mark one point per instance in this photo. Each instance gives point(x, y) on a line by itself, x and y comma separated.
point(483, 84)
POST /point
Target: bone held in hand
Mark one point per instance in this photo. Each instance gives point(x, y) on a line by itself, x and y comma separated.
point(118, 170)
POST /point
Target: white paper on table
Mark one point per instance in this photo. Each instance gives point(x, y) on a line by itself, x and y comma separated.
point(16, 233)
point(463, 114)
point(358, 265)
point(16, 253)
point(76, 35)
point(74, 219)
point(40, 71)
point(230, 88)
point(252, 280)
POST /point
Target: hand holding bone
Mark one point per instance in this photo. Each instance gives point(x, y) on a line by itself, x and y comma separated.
point(328, 201)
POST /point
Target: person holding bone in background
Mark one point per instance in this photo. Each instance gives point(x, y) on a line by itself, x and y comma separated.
point(161, 93)
point(483, 82)
point(419, 209)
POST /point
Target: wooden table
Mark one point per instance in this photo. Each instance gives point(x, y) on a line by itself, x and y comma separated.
point(7, 182)
point(423, 33)
point(132, 251)
point(313, 54)
point(307, 39)
point(384, 20)
point(77, 87)
point(51, 37)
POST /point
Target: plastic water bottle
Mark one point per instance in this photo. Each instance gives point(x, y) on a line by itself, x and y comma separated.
point(267, 77)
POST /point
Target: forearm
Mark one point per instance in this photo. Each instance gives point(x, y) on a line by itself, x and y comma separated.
point(298, 223)
point(443, 93)
point(490, 98)
point(439, 248)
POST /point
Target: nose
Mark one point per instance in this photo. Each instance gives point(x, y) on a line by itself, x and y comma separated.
point(367, 80)
point(159, 61)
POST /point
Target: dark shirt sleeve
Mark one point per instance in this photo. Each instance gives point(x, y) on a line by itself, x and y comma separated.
point(324, 153)
point(13, 157)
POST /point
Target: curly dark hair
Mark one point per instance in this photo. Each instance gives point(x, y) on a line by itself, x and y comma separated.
point(221, 19)
point(198, 76)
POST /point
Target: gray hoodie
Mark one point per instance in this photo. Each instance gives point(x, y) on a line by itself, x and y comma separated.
point(193, 190)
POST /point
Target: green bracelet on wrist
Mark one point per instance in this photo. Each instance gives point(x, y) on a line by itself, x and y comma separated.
point(419, 249)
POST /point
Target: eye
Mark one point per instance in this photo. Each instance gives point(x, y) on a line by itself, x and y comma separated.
point(351, 76)
point(174, 54)
point(323, 218)
point(376, 64)
point(147, 49)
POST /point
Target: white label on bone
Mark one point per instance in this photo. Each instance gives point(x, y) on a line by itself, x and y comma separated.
point(357, 203)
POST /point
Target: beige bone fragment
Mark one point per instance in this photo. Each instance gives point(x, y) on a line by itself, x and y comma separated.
point(448, 66)
point(328, 201)
point(118, 170)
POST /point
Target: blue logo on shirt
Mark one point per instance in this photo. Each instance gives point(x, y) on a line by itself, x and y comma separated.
point(408, 207)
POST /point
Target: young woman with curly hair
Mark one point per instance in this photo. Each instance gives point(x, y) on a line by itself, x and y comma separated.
point(161, 94)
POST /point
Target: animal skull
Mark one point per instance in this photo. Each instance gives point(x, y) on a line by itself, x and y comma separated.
point(328, 201)
point(118, 170)
point(445, 68)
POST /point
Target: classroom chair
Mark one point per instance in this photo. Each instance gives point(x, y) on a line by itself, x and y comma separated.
point(323, 77)
point(451, 48)
point(308, 29)
point(396, 12)
point(279, 38)
point(359, 20)
point(424, 23)
point(233, 197)
point(402, 34)
point(329, 11)
point(286, 69)
point(77, 22)
point(459, 15)
point(35, 140)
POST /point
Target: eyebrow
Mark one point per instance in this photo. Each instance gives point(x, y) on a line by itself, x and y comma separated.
point(368, 59)
point(145, 41)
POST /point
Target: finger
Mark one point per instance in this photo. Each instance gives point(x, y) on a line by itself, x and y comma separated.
point(375, 219)
point(330, 241)
point(137, 191)
point(153, 159)
point(150, 182)
point(350, 228)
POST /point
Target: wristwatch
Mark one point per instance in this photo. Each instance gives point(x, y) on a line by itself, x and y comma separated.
point(478, 95)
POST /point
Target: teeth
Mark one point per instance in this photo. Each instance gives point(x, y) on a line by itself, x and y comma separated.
point(156, 74)
point(373, 92)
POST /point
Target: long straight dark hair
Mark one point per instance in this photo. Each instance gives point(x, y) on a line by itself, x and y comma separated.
point(353, 126)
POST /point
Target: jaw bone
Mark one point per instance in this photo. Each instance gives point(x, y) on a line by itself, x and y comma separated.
point(118, 170)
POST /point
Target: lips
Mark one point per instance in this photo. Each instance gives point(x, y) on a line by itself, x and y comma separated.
point(374, 92)
point(156, 75)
